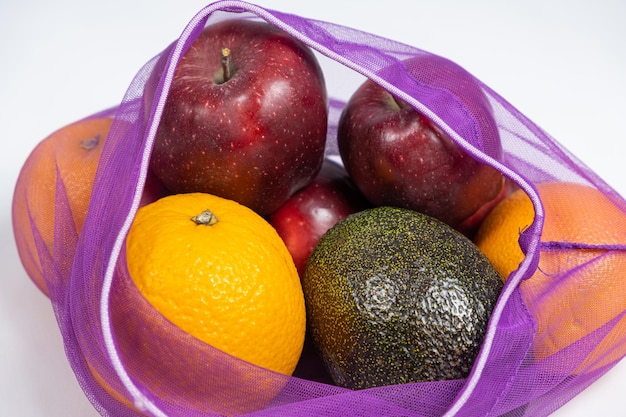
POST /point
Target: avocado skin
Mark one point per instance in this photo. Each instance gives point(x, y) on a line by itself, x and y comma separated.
point(395, 296)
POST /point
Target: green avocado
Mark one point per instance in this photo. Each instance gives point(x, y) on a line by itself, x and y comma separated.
point(395, 296)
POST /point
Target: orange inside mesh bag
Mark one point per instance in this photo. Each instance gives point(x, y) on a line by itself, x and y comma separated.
point(67, 161)
point(578, 287)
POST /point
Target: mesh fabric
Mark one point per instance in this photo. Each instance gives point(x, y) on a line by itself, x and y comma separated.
point(110, 337)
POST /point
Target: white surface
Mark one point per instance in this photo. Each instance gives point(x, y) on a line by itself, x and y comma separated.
point(561, 62)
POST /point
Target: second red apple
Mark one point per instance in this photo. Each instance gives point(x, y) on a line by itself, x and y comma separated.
point(397, 156)
point(311, 211)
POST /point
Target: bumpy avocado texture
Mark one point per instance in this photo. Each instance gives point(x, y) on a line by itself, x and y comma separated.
point(395, 296)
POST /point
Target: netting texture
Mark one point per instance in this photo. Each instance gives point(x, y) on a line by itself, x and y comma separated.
point(109, 334)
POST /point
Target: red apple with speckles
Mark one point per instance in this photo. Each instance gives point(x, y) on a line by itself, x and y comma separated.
point(397, 156)
point(245, 117)
point(311, 211)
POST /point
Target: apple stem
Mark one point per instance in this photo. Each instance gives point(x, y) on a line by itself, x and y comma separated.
point(206, 218)
point(226, 63)
point(400, 103)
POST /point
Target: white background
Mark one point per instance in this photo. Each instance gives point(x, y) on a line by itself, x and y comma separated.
point(562, 63)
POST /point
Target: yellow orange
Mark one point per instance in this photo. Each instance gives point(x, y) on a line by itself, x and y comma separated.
point(498, 233)
point(193, 292)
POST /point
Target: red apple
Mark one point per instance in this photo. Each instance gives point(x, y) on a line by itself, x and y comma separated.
point(245, 118)
point(397, 156)
point(152, 190)
point(311, 211)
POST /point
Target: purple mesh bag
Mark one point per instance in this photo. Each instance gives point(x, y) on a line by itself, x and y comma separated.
point(103, 325)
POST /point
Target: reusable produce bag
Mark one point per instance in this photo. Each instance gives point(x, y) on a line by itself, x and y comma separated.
point(97, 314)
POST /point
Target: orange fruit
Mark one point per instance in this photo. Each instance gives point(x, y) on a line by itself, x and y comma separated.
point(194, 291)
point(578, 291)
point(231, 283)
point(498, 233)
point(72, 152)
